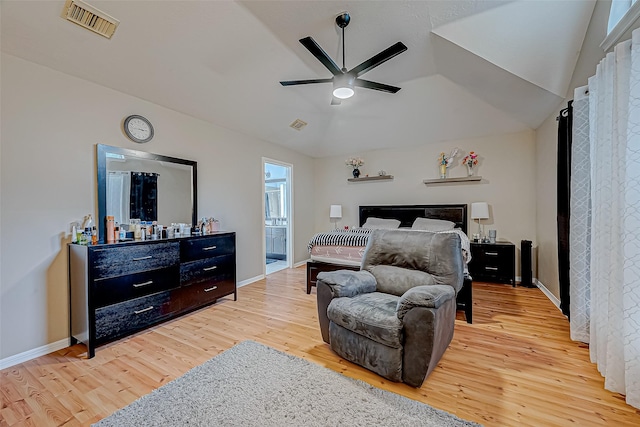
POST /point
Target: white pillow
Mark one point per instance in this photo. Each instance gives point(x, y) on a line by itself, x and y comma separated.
point(381, 223)
point(428, 224)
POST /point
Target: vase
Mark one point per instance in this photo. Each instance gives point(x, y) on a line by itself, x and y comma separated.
point(443, 171)
point(356, 172)
point(469, 170)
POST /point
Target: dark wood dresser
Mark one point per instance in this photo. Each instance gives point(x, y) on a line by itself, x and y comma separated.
point(118, 289)
point(493, 262)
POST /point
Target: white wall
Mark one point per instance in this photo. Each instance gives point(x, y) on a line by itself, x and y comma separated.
point(51, 123)
point(546, 152)
point(507, 167)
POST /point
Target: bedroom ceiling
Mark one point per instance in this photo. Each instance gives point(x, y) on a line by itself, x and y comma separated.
point(472, 68)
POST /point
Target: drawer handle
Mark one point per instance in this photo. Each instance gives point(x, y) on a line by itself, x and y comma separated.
point(138, 285)
point(213, 288)
point(143, 258)
point(491, 253)
point(491, 268)
point(208, 248)
point(143, 310)
point(210, 268)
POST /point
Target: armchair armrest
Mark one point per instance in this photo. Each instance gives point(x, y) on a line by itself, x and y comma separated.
point(432, 296)
point(348, 283)
point(341, 283)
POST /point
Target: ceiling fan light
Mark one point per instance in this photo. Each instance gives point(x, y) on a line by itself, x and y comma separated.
point(343, 86)
point(343, 92)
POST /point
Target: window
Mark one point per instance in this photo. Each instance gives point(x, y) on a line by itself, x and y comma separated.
point(622, 15)
point(618, 9)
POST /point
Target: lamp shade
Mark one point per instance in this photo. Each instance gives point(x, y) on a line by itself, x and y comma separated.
point(335, 212)
point(479, 210)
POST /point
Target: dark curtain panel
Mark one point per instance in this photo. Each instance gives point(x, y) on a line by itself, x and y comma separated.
point(144, 196)
point(565, 122)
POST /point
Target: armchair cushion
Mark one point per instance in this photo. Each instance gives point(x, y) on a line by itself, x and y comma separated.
point(371, 315)
point(397, 280)
point(347, 283)
point(424, 296)
point(436, 254)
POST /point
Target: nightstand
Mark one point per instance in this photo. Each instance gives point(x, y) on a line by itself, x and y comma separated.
point(493, 262)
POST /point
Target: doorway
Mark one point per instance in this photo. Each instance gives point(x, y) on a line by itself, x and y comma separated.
point(277, 215)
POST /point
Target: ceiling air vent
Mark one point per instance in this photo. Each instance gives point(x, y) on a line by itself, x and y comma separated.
point(298, 124)
point(89, 17)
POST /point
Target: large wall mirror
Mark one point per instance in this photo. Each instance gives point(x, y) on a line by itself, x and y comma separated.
point(150, 187)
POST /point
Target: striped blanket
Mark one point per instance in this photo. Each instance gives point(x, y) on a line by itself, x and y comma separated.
point(352, 237)
point(360, 237)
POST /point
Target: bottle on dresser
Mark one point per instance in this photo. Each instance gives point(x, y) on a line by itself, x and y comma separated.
point(110, 228)
point(137, 229)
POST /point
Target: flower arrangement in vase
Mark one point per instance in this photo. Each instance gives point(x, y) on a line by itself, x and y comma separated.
point(470, 160)
point(355, 163)
point(445, 161)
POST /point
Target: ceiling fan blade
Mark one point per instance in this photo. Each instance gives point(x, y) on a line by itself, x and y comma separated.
point(336, 101)
point(305, 82)
point(321, 55)
point(376, 86)
point(378, 59)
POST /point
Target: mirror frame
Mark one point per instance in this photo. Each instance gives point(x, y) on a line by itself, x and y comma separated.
point(101, 153)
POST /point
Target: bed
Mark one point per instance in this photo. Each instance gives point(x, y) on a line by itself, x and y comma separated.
point(343, 249)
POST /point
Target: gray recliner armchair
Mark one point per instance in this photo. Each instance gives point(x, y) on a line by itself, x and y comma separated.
point(396, 315)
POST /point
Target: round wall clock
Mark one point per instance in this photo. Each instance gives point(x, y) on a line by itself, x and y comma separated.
point(138, 129)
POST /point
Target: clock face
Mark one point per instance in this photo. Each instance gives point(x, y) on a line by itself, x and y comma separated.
point(138, 129)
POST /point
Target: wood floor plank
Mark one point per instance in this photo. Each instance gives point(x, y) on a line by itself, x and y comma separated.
point(514, 366)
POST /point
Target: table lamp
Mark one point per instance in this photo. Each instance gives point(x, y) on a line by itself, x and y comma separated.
point(479, 211)
point(335, 215)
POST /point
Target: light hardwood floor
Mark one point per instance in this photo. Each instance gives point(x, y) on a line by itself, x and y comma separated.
point(514, 366)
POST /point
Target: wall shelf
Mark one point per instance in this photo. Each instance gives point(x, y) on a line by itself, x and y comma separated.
point(371, 178)
point(447, 180)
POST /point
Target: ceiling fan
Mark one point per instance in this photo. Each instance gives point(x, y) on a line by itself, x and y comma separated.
point(343, 80)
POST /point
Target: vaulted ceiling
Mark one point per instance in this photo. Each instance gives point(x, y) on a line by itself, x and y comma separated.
point(472, 68)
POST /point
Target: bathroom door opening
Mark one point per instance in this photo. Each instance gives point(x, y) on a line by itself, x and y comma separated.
point(277, 215)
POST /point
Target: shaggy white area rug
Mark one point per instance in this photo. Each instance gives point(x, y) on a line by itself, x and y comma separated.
point(255, 385)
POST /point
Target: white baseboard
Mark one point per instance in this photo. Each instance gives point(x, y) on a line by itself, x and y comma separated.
point(298, 264)
point(547, 292)
point(250, 280)
point(32, 354)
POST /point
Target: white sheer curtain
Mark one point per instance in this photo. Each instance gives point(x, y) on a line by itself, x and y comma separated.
point(118, 195)
point(605, 210)
point(580, 219)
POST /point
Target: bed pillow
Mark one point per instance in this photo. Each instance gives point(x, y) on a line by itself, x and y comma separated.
point(428, 224)
point(381, 223)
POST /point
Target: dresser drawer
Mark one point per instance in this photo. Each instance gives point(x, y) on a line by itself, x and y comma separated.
point(207, 247)
point(200, 294)
point(119, 260)
point(209, 269)
point(117, 289)
point(120, 319)
point(495, 258)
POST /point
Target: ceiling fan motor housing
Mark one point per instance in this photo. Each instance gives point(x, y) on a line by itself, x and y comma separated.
point(343, 19)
